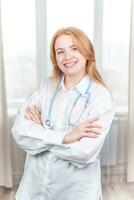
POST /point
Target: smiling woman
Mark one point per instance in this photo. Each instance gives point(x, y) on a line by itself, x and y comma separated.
point(70, 61)
point(66, 154)
point(72, 50)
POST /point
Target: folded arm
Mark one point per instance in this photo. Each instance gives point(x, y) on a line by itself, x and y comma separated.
point(33, 137)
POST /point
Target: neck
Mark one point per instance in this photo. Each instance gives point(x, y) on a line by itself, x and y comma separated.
point(70, 81)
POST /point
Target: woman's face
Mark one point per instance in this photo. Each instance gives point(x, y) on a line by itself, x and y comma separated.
point(69, 60)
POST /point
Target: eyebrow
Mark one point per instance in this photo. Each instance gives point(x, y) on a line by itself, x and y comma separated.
point(63, 48)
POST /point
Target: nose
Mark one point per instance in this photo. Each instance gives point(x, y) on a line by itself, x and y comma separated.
point(68, 55)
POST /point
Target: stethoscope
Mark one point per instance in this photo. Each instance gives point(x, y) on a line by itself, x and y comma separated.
point(49, 124)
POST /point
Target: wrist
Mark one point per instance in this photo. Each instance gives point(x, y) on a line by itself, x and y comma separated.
point(66, 138)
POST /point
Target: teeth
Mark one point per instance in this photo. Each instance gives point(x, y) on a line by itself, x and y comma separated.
point(70, 64)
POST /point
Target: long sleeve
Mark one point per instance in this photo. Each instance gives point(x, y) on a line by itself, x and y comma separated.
point(86, 150)
point(31, 137)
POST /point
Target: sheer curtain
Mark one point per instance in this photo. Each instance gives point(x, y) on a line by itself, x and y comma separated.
point(115, 70)
point(130, 164)
point(20, 77)
point(5, 156)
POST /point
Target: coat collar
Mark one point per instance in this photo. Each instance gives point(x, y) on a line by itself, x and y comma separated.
point(81, 86)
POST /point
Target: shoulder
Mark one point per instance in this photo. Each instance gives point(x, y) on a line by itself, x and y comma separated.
point(44, 85)
point(102, 96)
point(102, 92)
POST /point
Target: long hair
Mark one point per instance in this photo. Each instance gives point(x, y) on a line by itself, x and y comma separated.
point(84, 46)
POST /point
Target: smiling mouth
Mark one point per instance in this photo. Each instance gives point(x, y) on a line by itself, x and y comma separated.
point(71, 64)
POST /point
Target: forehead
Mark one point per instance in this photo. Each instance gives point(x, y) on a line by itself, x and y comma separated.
point(64, 41)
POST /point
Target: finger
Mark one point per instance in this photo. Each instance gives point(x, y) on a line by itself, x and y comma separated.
point(91, 135)
point(28, 112)
point(27, 116)
point(94, 125)
point(93, 120)
point(37, 111)
point(31, 109)
point(33, 118)
point(38, 114)
point(31, 113)
point(95, 131)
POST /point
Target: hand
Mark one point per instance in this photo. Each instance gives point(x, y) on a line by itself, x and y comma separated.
point(33, 113)
point(85, 129)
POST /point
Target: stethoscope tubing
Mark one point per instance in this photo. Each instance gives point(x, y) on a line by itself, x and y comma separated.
point(48, 121)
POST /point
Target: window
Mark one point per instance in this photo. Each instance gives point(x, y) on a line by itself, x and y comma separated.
point(69, 13)
point(116, 34)
point(27, 33)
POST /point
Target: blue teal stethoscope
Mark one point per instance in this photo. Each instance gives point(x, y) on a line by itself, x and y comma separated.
point(49, 123)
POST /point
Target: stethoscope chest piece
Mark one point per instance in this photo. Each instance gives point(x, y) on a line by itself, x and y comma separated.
point(48, 124)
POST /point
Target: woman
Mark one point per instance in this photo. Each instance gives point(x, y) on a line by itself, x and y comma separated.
point(63, 124)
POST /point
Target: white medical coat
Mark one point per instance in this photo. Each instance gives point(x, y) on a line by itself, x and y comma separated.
point(56, 171)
